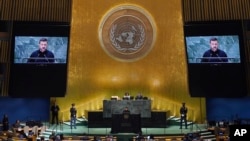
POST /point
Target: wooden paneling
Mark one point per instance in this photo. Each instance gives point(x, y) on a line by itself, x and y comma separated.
point(36, 10)
point(202, 10)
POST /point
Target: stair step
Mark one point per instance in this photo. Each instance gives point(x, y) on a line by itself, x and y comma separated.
point(55, 130)
point(68, 122)
point(47, 132)
point(171, 117)
point(172, 120)
point(205, 133)
point(205, 130)
point(80, 119)
point(176, 118)
point(208, 136)
point(44, 136)
point(188, 123)
point(50, 130)
point(212, 139)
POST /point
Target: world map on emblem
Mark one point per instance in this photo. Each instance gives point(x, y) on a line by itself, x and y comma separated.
point(127, 33)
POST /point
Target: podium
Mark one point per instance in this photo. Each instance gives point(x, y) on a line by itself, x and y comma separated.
point(126, 123)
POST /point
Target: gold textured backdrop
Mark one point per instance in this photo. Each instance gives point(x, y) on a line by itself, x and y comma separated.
point(162, 75)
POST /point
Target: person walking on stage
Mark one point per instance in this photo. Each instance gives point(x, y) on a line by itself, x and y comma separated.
point(54, 111)
point(183, 112)
point(73, 113)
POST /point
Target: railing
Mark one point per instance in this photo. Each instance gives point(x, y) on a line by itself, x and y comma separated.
point(195, 127)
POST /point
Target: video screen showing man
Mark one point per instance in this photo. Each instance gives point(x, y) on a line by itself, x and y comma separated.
point(214, 54)
point(42, 55)
point(206, 49)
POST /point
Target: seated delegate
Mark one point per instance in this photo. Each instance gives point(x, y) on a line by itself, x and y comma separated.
point(139, 96)
point(126, 96)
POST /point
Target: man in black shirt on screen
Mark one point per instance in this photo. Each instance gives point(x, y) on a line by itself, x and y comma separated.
point(42, 55)
point(214, 54)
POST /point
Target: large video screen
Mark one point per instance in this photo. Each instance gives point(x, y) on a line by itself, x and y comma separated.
point(39, 59)
point(215, 55)
point(213, 49)
point(40, 49)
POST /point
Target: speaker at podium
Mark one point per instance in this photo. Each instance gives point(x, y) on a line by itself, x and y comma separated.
point(126, 122)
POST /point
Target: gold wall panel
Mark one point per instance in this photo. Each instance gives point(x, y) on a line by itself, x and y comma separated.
point(161, 75)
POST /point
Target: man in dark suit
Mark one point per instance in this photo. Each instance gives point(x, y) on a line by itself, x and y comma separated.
point(183, 112)
point(5, 122)
point(73, 113)
point(126, 111)
point(139, 96)
point(54, 112)
point(214, 54)
point(42, 55)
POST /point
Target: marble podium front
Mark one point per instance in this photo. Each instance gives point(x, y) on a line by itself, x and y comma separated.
point(142, 107)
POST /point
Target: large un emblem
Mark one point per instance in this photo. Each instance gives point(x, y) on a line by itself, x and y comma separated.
point(127, 33)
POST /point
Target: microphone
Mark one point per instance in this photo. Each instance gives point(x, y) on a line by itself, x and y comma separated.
point(210, 57)
point(46, 57)
point(36, 59)
point(219, 57)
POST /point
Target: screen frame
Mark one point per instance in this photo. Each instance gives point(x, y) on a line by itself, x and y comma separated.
point(40, 29)
point(233, 56)
point(36, 46)
point(211, 80)
point(215, 28)
point(42, 79)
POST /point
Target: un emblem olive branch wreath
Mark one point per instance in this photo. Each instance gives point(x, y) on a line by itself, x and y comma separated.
point(136, 46)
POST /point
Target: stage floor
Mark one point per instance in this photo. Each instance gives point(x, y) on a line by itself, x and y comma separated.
point(160, 132)
point(83, 129)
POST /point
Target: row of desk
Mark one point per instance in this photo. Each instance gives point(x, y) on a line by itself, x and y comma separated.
point(142, 107)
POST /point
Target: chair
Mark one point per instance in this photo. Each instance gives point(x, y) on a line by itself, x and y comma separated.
point(43, 129)
point(26, 130)
point(216, 130)
point(126, 98)
point(114, 97)
point(35, 130)
point(211, 123)
point(14, 130)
